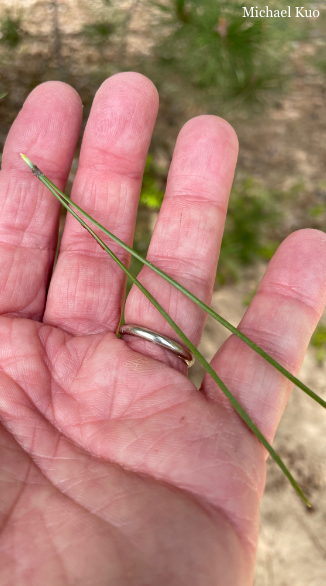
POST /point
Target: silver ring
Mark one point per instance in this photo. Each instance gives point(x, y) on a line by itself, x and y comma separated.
point(180, 351)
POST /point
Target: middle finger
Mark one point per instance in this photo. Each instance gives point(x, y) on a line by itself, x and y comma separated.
point(87, 286)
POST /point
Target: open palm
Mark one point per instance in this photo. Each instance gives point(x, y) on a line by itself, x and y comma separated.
point(114, 469)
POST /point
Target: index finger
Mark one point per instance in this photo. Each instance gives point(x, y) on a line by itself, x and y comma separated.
point(47, 130)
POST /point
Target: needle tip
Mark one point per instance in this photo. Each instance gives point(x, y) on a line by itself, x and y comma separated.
point(306, 502)
point(27, 161)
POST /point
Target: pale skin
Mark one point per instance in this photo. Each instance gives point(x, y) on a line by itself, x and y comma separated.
point(114, 469)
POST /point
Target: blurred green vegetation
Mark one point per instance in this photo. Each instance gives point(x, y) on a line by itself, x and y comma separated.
point(11, 33)
point(151, 195)
point(249, 227)
point(318, 341)
point(211, 45)
point(196, 46)
point(98, 32)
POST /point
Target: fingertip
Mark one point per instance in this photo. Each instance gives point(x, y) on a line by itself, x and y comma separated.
point(135, 82)
point(46, 128)
point(57, 91)
point(120, 125)
point(207, 146)
point(212, 127)
point(298, 269)
point(311, 235)
point(306, 245)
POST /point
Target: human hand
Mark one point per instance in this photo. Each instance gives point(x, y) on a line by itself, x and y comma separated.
point(115, 469)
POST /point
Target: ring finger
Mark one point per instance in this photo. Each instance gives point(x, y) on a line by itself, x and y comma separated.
point(188, 233)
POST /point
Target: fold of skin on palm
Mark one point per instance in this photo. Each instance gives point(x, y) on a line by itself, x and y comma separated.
point(114, 468)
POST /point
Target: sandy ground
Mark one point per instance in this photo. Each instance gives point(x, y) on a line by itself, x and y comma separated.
point(292, 542)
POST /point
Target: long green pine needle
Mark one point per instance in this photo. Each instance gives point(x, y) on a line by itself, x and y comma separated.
point(180, 333)
point(55, 190)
